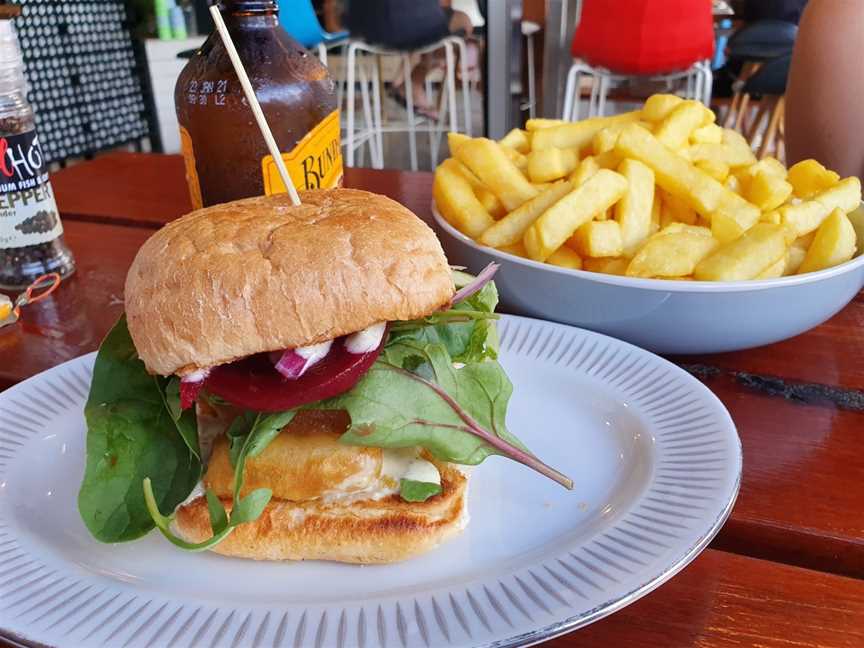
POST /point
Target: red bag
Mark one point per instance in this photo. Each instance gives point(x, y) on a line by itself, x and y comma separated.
point(644, 37)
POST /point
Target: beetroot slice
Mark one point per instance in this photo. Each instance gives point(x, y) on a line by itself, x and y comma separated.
point(189, 393)
point(253, 383)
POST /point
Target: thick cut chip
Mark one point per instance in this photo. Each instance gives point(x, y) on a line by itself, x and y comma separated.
point(833, 244)
point(657, 107)
point(634, 211)
point(746, 257)
point(606, 266)
point(768, 191)
point(551, 164)
point(579, 134)
point(565, 258)
point(559, 222)
point(672, 252)
point(809, 178)
point(517, 139)
point(456, 201)
point(488, 161)
point(598, 239)
point(675, 130)
point(510, 229)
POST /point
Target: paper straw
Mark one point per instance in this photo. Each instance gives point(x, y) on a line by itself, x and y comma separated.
point(253, 102)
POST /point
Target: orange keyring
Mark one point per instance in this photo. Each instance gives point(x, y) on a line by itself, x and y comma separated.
point(47, 284)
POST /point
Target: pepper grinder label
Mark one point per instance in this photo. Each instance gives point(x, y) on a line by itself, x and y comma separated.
point(28, 211)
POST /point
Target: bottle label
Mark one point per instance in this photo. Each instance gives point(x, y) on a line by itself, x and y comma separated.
point(315, 163)
point(191, 170)
point(28, 212)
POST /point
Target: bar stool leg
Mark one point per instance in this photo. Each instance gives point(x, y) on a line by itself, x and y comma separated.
point(409, 102)
point(532, 91)
point(322, 54)
point(351, 62)
point(434, 130)
point(466, 86)
point(376, 110)
point(773, 125)
point(368, 134)
point(604, 92)
point(451, 86)
point(570, 90)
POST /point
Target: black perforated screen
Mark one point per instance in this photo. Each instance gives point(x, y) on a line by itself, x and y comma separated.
point(85, 81)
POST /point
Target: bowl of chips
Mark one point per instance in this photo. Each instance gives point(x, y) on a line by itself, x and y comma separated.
point(657, 226)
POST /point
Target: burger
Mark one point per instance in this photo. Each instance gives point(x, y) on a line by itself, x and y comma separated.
point(296, 382)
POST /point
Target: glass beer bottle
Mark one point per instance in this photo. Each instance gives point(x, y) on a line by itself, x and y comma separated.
point(226, 157)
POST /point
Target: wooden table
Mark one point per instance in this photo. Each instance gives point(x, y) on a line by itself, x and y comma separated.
point(787, 567)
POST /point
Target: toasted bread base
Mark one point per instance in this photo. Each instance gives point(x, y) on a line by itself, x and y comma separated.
point(366, 532)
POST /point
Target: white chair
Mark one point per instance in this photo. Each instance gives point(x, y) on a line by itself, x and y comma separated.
point(359, 55)
point(529, 29)
point(697, 79)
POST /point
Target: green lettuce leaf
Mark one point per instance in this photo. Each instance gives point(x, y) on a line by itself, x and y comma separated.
point(131, 435)
point(468, 341)
point(415, 491)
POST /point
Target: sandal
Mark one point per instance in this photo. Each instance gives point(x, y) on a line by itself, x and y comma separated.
point(420, 111)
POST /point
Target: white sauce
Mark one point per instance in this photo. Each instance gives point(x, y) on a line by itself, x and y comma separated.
point(424, 471)
point(195, 376)
point(314, 353)
point(367, 340)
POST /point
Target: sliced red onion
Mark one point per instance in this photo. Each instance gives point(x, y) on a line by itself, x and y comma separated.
point(295, 362)
point(190, 387)
point(367, 340)
point(475, 286)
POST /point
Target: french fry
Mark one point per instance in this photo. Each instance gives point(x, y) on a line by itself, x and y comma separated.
point(540, 123)
point(771, 217)
point(675, 130)
point(809, 178)
point(715, 168)
point(834, 243)
point(517, 139)
point(673, 174)
point(655, 215)
point(736, 141)
point(733, 184)
point(678, 209)
point(510, 229)
point(794, 258)
point(776, 269)
point(587, 168)
point(672, 252)
point(605, 140)
point(657, 107)
point(857, 219)
point(565, 258)
point(805, 217)
point(521, 161)
point(455, 140)
point(770, 165)
point(577, 135)
point(634, 211)
point(457, 203)
point(733, 217)
point(709, 134)
point(767, 190)
point(598, 239)
point(746, 257)
point(606, 266)
point(516, 249)
point(551, 164)
point(488, 199)
point(487, 160)
point(559, 222)
point(610, 160)
point(732, 157)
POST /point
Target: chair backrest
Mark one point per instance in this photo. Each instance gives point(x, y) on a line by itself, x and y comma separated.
point(764, 39)
point(298, 18)
point(644, 36)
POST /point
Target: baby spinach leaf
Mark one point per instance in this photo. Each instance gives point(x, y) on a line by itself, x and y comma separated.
point(185, 420)
point(130, 436)
point(456, 414)
point(415, 491)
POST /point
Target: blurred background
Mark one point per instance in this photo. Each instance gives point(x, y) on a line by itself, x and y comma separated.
point(102, 72)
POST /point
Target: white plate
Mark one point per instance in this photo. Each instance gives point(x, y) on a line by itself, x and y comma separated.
point(654, 455)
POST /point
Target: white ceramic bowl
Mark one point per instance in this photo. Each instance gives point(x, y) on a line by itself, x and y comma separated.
point(663, 316)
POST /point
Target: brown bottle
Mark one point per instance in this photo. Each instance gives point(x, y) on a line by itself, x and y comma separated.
point(226, 157)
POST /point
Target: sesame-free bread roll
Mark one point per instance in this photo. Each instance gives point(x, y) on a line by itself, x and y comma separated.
point(262, 275)
point(368, 531)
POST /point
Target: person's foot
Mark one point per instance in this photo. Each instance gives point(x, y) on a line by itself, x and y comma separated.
point(420, 101)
